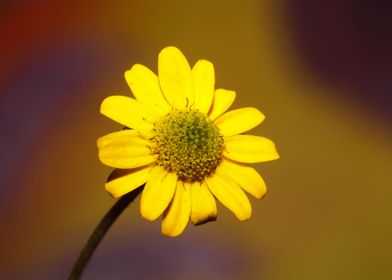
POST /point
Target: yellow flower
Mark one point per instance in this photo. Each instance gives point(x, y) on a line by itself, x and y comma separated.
point(183, 144)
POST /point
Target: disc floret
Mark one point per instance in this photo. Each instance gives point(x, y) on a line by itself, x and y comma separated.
point(188, 143)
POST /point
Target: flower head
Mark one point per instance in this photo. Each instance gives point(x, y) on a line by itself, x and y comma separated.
point(182, 144)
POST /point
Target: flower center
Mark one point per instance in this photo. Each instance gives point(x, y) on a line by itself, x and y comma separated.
point(189, 144)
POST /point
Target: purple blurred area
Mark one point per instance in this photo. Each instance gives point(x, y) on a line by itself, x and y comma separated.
point(348, 43)
point(42, 87)
point(319, 70)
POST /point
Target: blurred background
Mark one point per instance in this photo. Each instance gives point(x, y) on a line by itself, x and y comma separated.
point(319, 70)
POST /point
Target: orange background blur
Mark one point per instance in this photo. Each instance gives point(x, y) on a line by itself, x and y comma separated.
point(319, 71)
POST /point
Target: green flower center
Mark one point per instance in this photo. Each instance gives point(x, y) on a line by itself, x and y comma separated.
point(189, 144)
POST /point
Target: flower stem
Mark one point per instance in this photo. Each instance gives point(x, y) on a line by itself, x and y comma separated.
point(100, 231)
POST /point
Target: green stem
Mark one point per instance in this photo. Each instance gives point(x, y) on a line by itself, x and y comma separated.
point(100, 231)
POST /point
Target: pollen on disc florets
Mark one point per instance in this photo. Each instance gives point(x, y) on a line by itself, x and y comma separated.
point(188, 143)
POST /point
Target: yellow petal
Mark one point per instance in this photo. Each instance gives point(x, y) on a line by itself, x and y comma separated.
point(124, 150)
point(129, 112)
point(157, 193)
point(204, 82)
point(230, 195)
point(249, 149)
point(177, 214)
point(203, 204)
point(126, 134)
point(245, 176)
point(123, 181)
point(175, 77)
point(145, 87)
point(239, 121)
point(222, 101)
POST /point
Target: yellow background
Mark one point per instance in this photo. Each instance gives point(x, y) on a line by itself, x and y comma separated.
point(327, 213)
